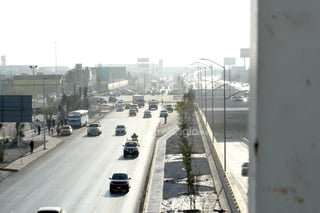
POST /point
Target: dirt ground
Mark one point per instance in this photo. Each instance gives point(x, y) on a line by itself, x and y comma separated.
point(175, 189)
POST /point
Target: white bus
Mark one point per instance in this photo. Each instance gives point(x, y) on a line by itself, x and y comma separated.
point(78, 118)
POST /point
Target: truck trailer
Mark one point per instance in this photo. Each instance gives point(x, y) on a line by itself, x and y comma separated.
point(138, 99)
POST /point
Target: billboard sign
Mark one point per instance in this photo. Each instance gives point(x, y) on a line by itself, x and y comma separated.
point(244, 52)
point(229, 61)
point(143, 60)
point(15, 108)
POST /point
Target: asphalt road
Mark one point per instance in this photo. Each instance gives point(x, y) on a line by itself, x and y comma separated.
point(76, 174)
point(236, 134)
point(236, 114)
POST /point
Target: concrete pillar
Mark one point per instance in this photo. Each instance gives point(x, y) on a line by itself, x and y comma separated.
point(284, 120)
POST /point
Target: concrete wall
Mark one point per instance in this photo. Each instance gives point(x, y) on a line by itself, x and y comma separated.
point(284, 112)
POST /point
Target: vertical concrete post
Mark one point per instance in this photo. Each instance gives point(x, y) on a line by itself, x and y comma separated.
point(284, 120)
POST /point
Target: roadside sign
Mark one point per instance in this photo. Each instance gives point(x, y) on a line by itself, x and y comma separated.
point(15, 108)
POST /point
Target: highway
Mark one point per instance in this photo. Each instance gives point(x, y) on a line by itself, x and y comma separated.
point(236, 137)
point(76, 174)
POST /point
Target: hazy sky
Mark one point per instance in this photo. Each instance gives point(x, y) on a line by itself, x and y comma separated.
point(120, 31)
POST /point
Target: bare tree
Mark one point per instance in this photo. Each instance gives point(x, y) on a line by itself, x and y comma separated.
point(185, 109)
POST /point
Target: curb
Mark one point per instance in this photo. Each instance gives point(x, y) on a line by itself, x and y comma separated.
point(9, 169)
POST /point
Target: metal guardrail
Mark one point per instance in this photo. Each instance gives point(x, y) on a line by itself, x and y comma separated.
point(234, 207)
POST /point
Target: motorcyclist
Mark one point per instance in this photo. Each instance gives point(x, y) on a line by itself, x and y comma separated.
point(134, 137)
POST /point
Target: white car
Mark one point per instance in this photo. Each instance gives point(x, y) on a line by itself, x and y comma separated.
point(51, 210)
point(94, 129)
point(134, 106)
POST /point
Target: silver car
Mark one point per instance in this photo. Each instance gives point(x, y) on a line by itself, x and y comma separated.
point(94, 129)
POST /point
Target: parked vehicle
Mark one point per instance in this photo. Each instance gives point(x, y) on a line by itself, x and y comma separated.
point(94, 129)
point(66, 130)
point(119, 183)
point(120, 130)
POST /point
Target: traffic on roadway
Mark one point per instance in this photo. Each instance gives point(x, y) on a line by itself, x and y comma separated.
point(76, 176)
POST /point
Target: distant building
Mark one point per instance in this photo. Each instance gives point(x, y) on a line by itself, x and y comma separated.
point(3, 60)
point(36, 85)
point(77, 78)
point(110, 77)
point(6, 85)
point(11, 70)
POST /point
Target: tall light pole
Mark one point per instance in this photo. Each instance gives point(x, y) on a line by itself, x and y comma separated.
point(212, 98)
point(205, 76)
point(201, 103)
point(224, 109)
point(33, 69)
point(205, 95)
point(198, 81)
point(44, 112)
point(57, 81)
point(198, 84)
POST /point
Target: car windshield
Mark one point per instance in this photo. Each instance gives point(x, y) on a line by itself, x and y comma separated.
point(120, 127)
point(94, 125)
point(131, 144)
point(120, 176)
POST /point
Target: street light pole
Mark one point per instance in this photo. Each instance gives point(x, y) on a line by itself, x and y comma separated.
point(205, 95)
point(33, 69)
point(44, 117)
point(212, 98)
point(198, 86)
point(224, 110)
point(201, 101)
point(224, 119)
